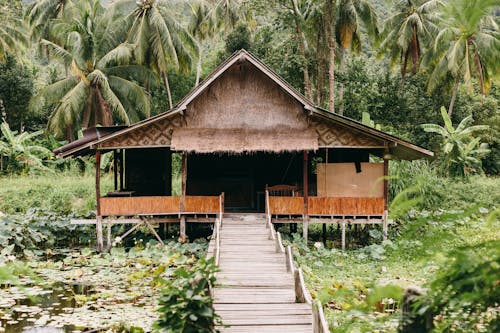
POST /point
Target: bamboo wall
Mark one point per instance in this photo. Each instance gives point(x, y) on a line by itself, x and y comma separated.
point(157, 205)
point(286, 205)
point(326, 206)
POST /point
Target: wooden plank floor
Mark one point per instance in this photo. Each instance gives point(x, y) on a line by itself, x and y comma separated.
point(255, 293)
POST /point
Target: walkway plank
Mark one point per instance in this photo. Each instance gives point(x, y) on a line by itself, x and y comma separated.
point(255, 293)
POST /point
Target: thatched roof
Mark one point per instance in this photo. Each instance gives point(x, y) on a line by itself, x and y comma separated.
point(204, 141)
point(238, 141)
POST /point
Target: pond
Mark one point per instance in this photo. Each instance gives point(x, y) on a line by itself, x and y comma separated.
point(28, 309)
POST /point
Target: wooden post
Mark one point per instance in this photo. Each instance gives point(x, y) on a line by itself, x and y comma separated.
point(100, 240)
point(343, 234)
point(324, 234)
point(122, 175)
point(183, 199)
point(386, 198)
point(115, 171)
point(108, 238)
point(305, 180)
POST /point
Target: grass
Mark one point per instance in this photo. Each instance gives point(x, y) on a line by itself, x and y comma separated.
point(62, 193)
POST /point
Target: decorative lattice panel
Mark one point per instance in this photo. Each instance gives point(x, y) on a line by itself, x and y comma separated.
point(156, 133)
point(335, 135)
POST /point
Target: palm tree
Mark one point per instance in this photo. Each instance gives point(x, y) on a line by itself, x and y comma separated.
point(460, 150)
point(467, 46)
point(98, 90)
point(13, 34)
point(158, 39)
point(350, 14)
point(209, 16)
point(405, 32)
point(40, 15)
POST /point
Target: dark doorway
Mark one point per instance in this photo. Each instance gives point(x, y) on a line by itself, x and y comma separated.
point(148, 171)
point(242, 178)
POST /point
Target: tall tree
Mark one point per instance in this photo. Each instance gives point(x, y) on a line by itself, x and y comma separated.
point(13, 32)
point(158, 39)
point(467, 46)
point(40, 15)
point(411, 25)
point(98, 89)
point(209, 16)
point(350, 15)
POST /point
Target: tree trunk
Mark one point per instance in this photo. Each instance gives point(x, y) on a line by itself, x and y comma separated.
point(403, 68)
point(198, 68)
point(320, 69)
point(302, 46)
point(167, 86)
point(481, 76)
point(416, 51)
point(330, 28)
point(454, 96)
point(341, 92)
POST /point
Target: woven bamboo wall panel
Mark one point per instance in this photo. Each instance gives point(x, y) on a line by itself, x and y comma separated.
point(202, 204)
point(130, 206)
point(346, 206)
point(157, 133)
point(335, 135)
point(286, 205)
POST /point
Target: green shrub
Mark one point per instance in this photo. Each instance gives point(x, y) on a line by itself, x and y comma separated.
point(464, 296)
point(185, 304)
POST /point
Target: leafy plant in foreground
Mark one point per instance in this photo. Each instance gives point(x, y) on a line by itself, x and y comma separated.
point(464, 297)
point(185, 304)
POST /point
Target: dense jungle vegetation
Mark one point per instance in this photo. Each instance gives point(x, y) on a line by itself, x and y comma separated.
point(424, 70)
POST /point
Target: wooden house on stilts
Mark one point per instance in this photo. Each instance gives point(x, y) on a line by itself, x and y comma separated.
point(249, 143)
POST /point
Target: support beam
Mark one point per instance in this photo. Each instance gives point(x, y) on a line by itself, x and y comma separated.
point(100, 240)
point(115, 169)
point(343, 235)
point(305, 180)
point(108, 237)
point(122, 174)
point(182, 232)
point(182, 236)
point(386, 198)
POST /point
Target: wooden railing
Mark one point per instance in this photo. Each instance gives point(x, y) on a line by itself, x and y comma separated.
point(324, 206)
point(302, 295)
point(158, 205)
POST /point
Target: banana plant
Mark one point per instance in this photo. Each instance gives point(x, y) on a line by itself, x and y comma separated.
point(21, 153)
point(461, 152)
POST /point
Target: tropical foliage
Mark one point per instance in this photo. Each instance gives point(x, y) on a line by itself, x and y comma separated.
point(20, 152)
point(466, 46)
point(461, 152)
point(98, 90)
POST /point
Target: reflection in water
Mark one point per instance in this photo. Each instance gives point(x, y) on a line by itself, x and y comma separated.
point(24, 315)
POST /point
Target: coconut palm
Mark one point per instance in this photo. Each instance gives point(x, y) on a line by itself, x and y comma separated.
point(467, 46)
point(350, 15)
point(404, 32)
point(158, 39)
point(209, 16)
point(40, 15)
point(460, 150)
point(98, 89)
point(13, 33)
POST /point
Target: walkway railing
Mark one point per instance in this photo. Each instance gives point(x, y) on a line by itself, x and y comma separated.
point(302, 295)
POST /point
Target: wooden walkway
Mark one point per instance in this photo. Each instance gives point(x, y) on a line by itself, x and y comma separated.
point(255, 293)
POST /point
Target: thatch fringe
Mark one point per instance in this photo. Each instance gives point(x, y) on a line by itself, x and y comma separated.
point(206, 140)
